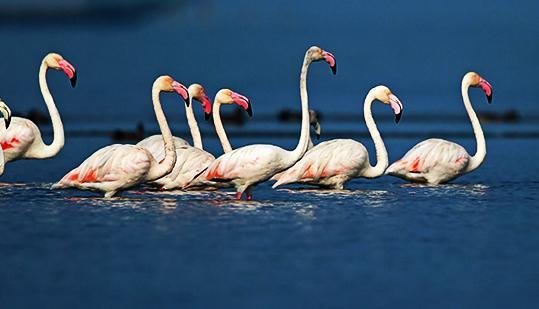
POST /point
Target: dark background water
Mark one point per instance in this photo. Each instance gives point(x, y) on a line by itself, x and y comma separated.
point(383, 243)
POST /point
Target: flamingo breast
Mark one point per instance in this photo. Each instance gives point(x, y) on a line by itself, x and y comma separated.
point(18, 138)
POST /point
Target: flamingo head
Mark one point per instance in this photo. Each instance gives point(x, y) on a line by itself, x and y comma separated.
point(475, 80)
point(57, 62)
point(6, 113)
point(316, 54)
point(227, 96)
point(313, 119)
point(168, 84)
point(196, 91)
point(384, 95)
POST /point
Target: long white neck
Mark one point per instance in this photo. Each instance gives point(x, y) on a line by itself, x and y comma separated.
point(303, 142)
point(219, 126)
point(165, 166)
point(481, 152)
point(47, 151)
point(382, 160)
point(193, 125)
point(2, 161)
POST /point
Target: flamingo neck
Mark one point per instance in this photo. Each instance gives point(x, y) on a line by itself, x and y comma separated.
point(219, 126)
point(2, 160)
point(479, 156)
point(47, 151)
point(382, 160)
point(164, 167)
point(303, 142)
point(193, 125)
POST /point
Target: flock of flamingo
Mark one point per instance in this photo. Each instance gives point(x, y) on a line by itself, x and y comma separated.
point(172, 163)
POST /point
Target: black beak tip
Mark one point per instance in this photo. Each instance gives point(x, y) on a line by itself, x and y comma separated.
point(207, 116)
point(7, 121)
point(489, 98)
point(73, 80)
point(334, 69)
point(187, 103)
point(249, 110)
point(398, 117)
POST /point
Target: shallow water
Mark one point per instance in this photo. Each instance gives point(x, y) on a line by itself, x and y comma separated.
point(380, 243)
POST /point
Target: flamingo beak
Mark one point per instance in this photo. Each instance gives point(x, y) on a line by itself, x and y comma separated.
point(6, 113)
point(397, 107)
point(330, 59)
point(243, 102)
point(487, 88)
point(182, 91)
point(206, 104)
point(69, 70)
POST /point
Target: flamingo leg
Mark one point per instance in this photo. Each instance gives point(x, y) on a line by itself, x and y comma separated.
point(238, 196)
point(248, 194)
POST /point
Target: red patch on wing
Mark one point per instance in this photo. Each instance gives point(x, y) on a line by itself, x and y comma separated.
point(214, 172)
point(73, 176)
point(90, 176)
point(10, 144)
point(415, 165)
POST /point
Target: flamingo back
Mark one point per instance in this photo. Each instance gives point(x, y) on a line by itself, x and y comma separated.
point(433, 160)
point(156, 145)
point(18, 138)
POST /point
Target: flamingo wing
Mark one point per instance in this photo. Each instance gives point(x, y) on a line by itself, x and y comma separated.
point(190, 163)
point(340, 159)
point(17, 139)
point(156, 145)
point(110, 169)
point(250, 164)
point(433, 160)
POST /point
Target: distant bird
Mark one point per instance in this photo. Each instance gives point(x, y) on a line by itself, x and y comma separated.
point(6, 114)
point(247, 166)
point(436, 161)
point(128, 135)
point(118, 167)
point(192, 162)
point(22, 140)
point(330, 164)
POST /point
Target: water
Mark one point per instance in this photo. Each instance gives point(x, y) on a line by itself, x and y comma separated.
point(381, 243)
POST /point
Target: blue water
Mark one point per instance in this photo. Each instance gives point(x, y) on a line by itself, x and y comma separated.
point(381, 243)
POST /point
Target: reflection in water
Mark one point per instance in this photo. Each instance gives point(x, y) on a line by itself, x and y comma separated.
point(476, 190)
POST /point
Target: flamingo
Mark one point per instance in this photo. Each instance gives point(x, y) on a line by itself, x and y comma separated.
point(155, 143)
point(332, 163)
point(22, 140)
point(247, 166)
point(118, 167)
point(436, 161)
point(193, 161)
point(6, 114)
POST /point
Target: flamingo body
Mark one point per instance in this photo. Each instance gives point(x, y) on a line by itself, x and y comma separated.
point(432, 161)
point(190, 163)
point(329, 164)
point(247, 166)
point(110, 169)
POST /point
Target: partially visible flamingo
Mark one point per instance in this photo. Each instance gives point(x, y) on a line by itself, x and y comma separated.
point(247, 166)
point(192, 161)
point(330, 164)
point(118, 167)
point(436, 161)
point(6, 114)
point(22, 140)
point(155, 144)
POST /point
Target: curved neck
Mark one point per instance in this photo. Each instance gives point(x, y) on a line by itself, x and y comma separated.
point(165, 166)
point(219, 126)
point(481, 151)
point(193, 125)
point(303, 142)
point(57, 144)
point(382, 160)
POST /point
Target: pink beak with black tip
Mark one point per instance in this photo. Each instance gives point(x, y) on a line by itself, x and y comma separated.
point(243, 102)
point(206, 105)
point(397, 107)
point(182, 91)
point(330, 59)
point(69, 70)
point(487, 88)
